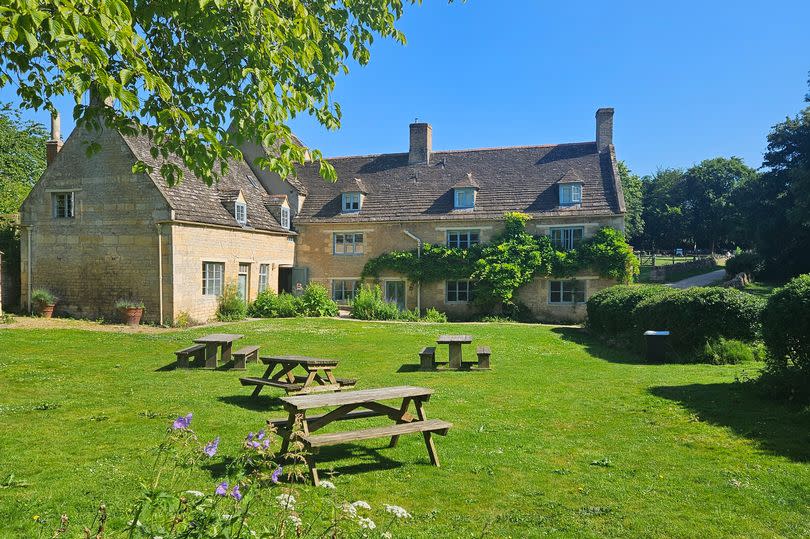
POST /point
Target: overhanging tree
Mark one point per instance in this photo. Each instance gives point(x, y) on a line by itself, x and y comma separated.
point(181, 72)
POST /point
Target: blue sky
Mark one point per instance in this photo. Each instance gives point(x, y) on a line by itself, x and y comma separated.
point(689, 80)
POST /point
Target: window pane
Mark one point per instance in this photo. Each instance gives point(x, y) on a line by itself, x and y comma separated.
point(474, 238)
point(576, 193)
point(452, 291)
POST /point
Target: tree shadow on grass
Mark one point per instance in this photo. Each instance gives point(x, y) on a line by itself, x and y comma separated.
point(262, 403)
point(775, 427)
point(597, 348)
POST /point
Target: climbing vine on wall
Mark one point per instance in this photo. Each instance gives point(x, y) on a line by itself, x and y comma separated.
point(511, 260)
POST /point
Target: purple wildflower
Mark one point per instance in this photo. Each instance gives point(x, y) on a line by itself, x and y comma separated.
point(249, 436)
point(254, 445)
point(182, 423)
point(260, 435)
point(211, 447)
point(222, 489)
point(266, 443)
point(276, 474)
point(236, 494)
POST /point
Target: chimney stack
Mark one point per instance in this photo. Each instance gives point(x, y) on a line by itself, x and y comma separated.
point(421, 144)
point(53, 145)
point(604, 128)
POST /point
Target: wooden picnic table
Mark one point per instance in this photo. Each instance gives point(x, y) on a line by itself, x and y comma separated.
point(454, 342)
point(213, 342)
point(319, 376)
point(343, 407)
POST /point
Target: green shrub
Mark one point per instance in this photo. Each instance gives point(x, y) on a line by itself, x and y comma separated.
point(316, 301)
point(43, 297)
point(748, 262)
point(432, 315)
point(610, 310)
point(369, 304)
point(287, 306)
point(231, 306)
point(129, 304)
point(722, 351)
point(264, 306)
point(183, 320)
point(786, 331)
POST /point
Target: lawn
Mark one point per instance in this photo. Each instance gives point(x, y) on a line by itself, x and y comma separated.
point(646, 269)
point(563, 437)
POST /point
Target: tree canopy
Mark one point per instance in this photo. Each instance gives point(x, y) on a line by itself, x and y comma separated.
point(183, 72)
point(22, 158)
point(634, 201)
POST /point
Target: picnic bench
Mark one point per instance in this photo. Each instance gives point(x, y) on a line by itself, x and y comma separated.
point(197, 351)
point(454, 342)
point(344, 406)
point(212, 344)
point(245, 354)
point(319, 376)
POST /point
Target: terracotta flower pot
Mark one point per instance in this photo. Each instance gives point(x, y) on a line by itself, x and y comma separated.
point(46, 310)
point(132, 315)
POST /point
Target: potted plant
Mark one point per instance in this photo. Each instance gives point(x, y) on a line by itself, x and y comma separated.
point(44, 302)
point(131, 311)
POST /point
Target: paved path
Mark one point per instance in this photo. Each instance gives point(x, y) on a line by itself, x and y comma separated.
point(700, 280)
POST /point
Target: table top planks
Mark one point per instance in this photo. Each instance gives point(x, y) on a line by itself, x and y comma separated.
point(306, 402)
point(452, 339)
point(301, 360)
point(218, 338)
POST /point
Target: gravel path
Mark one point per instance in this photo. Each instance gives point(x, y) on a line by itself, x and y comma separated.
point(700, 280)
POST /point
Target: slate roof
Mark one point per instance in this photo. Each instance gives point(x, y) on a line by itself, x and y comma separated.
point(509, 179)
point(193, 200)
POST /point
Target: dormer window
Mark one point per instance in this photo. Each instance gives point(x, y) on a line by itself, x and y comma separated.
point(352, 201)
point(570, 194)
point(240, 212)
point(464, 198)
point(285, 217)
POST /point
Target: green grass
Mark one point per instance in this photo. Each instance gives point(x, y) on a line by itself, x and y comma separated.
point(761, 288)
point(646, 269)
point(679, 450)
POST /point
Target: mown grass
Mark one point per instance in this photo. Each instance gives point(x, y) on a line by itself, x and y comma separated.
point(563, 437)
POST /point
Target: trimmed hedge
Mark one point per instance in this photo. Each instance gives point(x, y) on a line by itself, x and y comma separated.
point(694, 316)
point(786, 331)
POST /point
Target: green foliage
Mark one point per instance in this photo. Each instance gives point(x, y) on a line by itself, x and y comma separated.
point(287, 305)
point(432, 315)
point(634, 201)
point(747, 262)
point(179, 72)
point(129, 304)
point(369, 304)
point(315, 301)
point(264, 305)
point(42, 296)
point(694, 316)
point(786, 331)
point(510, 261)
point(183, 320)
point(230, 306)
point(722, 351)
point(22, 159)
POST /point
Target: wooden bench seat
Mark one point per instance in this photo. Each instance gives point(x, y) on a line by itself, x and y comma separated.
point(253, 381)
point(282, 424)
point(245, 354)
point(483, 353)
point(195, 350)
point(431, 425)
point(427, 358)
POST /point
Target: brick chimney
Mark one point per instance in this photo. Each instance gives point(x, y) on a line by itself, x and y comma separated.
point(53, 145)
point(604, 128)
point(421, 144)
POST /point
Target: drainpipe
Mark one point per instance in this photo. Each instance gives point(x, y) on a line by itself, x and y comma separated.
point(30, 284)
point(160, 273)
point(418, 284)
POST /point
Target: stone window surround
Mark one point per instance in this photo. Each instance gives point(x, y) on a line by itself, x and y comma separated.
point(353, 234)
point(213, 284)
point(459, 232)
point(70, 202)
point(469, 290)
point(583, 280)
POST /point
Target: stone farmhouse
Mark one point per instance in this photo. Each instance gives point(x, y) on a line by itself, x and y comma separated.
point(93, 231)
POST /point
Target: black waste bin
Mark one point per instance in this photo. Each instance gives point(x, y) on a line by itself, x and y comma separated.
point(656, 345)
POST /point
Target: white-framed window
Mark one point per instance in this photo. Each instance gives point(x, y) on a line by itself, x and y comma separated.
point(212, 276)
point(566, 238)
point(463, 238)
point(459, 291)
point(570, 193)
point(464, 198)
point(264, 277)
point(344, 290)
point(240, 212)
point(566, 292)
point(63, 207)
point(347, 243)
point(285, 217)
point(352, 201)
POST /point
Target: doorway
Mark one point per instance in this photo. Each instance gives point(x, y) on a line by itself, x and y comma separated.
point(395, 293)
point(242, 281)
point(285, 279)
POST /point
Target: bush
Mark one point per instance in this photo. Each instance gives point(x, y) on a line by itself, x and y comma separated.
point(129, 304)
point(369, 304)
point(722, 351)
point(749, 262)
point(694, 316)
point(432, 315)
point(786, 331)
point(43, 297)
point(264, 305)
point(231, 306)
point(316, 301)
point(287, 306)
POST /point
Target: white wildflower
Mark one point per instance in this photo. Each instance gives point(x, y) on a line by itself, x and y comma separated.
point(327, 484)
point(361, 504)
point(366, 523)
point(387, 535)
point(196, 493)
point(286, 501)
point(397, 511)
point(350, 510)
point(296, 520)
